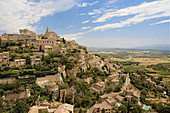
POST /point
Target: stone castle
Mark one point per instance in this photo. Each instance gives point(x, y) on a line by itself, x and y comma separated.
point(48, 41)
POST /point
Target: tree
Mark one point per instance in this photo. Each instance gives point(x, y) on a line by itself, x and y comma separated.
point(64, 41)
point(21, 107)
point(0, 41)
point(27, 58)
point(13, 55)
point(32, 99)
point(52, 54)
point(47, 59)
point(69, 98)
point(103, 110)
point(142, 98)
point(122, 108)
point(6, 68)
point(137, 108)
point(1, 105)
point(19, 43)
point(85, 101)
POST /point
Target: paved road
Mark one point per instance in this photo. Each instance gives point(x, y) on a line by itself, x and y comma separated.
point(127, 82)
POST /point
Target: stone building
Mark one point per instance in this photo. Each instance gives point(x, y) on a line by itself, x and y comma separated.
point(65, 108)
point(98, 87)
point(17, 96)
point(97, 108)
point(34, 60)
point(4, 57)
point(20, 62)
point(51, 35)
point(24, 35)
point(131, 94)
point(106, 96)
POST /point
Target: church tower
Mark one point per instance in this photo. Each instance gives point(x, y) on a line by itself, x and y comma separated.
point(47, 30)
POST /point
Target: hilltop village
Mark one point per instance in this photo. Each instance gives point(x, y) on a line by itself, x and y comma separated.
point(48, 74)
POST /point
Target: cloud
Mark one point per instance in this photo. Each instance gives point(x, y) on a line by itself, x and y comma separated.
point(85, 4)
point(112, 1)
point(163, 21)
point(73, 36)
point(149, 9)
point(88, 27)
point(70, 26)
point(142, 12)
point(17, 14)
point(82, 13)
point(85, 21)
point(95, 11)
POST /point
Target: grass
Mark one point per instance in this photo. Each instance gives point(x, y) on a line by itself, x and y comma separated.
point(163, 73)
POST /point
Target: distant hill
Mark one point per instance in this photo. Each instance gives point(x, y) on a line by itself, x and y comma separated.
point(162, 47)
point(158, 47)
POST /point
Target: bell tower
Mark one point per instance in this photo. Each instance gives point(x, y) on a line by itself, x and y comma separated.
point(47, 30)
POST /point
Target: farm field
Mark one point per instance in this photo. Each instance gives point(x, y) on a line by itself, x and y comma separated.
point(144, 59)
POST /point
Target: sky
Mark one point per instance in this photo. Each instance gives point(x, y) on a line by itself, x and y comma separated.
point(92, 23)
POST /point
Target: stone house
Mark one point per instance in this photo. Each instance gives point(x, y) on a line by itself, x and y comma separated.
point(98, 87)
point(47, 48)
point(111, 101)
point(119, 98)
point(43, 81)
point(41, 109)
point(97, 108)
point(4, 57)
point(13, 48)
point(17, 96)
point(34, 60)
point(20, 62)
point(24, 35)
point(65, 108)
point(106, 96)
point(54, 88)
point(114, 82)
point(132, 95)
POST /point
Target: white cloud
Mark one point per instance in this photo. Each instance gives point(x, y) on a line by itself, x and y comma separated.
point(88, 27)
point(82, 13)
point(112, 1)
point(70, 26)
point(95, 11)
point(142, 12)
point(85, 21)
point(87, 4)
point(149, 9)
point(163, 21)
point(73, 36)
point(17, 14)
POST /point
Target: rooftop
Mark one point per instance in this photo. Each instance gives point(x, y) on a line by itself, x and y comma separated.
point(109, 95)
point(102, 105)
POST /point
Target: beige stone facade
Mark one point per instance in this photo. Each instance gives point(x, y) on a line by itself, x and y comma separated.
point(4, 57)
point(34, 60)
point(98, 87)
point(20, 62)
point(23, 36)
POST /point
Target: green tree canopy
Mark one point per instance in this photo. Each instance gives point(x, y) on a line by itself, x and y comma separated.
point(21, 107)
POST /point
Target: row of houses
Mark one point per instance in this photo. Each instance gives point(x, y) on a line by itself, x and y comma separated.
point(111, 100)
point(5, 57)
point(100, 87)
point(64, 108)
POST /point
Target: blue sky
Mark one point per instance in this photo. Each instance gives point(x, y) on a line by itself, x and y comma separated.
point(93, 23)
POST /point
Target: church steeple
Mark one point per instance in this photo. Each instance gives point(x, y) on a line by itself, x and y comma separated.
point(47, 30)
